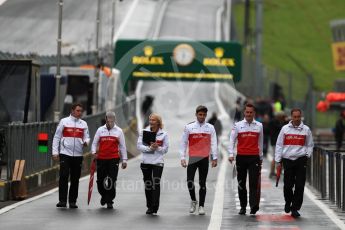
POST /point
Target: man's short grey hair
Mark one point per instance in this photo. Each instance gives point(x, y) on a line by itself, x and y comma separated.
point(110, 114)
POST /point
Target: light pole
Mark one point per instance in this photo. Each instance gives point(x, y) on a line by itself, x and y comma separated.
point(246, 22)
point(113, 13)
point(58, 65)
point(258, 49)
point(97, 67)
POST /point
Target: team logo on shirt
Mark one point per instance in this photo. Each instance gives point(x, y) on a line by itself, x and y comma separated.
point(107, 139)
point(198, 136)
point(73, 132)
point(249, 135)
point(294, 139)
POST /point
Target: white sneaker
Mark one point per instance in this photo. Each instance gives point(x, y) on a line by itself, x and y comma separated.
point(201, 210)
point(193, 205)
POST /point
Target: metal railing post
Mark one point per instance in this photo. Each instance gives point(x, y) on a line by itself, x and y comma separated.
point(331, 176)
point(343, 195)
point(323, 174)
point(338, 180)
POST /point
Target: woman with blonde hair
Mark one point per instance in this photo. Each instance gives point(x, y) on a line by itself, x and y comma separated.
point(152, 163)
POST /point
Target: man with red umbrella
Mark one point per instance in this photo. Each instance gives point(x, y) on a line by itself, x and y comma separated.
point(293, 148)
point(109, 148)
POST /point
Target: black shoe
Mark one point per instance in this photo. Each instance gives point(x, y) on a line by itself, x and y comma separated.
point(102, 202)
point(295, 213)
point(73, 205)
point(242, 211)
point(110, 206)
point(149, 211)
point(287, 208)
point(254, 210)
point(61, 204)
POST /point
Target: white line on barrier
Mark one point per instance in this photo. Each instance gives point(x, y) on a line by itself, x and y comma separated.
point(2, 2)
point(160, 16)
point(137, 105)
point(218, 23)
point(125, 21)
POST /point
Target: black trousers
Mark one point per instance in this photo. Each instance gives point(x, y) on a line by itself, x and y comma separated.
point(252, 165)
point(294, 176)
point(70, 168)
point(202, 165)
point(152, 179)
point(107, 171)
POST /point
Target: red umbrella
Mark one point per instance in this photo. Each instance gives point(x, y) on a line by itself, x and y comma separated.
point(279, 171)
point(92, 172)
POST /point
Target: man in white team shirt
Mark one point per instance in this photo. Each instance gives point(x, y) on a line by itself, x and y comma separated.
point(201, 139)
point(293, 148)
point(72, 134)
point(249, 135)
point(109, 148)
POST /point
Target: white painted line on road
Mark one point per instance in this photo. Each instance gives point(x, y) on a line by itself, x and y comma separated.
point(217, 211)
point(330, 213)
point(15, 205)
point(20, 203)
point(321, 205)
point(2, 1)
point(125, 21)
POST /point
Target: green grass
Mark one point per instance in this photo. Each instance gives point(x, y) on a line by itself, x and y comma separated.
point(301, 29)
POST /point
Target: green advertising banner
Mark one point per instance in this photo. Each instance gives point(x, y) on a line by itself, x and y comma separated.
point(182, 60)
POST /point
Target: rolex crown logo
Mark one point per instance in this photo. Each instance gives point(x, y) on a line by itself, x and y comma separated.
point(148, 51)
point(219, 52)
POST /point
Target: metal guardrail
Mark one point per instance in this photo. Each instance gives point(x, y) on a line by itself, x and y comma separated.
point(73, 59)
point(326, 173)
point(21, 142)
point(21, 139)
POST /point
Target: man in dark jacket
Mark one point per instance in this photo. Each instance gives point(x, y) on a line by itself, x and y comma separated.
point(217, 124)
point(339, 130)
point(275, 126)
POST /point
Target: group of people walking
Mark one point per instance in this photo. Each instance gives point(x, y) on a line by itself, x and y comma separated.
point(198, 148)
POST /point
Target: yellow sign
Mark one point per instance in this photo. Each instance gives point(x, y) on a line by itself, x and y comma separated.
point(219, 60)
point(338, 49)
point(147, 59)
point(183, 75)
